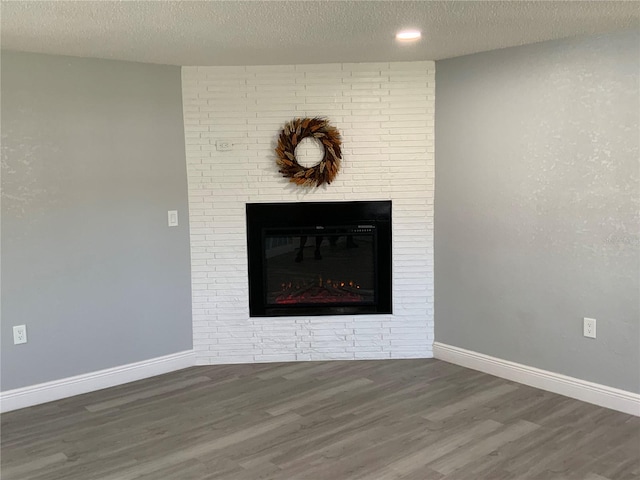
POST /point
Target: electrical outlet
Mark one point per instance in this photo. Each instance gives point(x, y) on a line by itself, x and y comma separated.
point(224, 145)
point(589, 327)
point(19, 334)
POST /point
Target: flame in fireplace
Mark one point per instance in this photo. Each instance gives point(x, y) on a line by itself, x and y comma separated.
point(321, 291)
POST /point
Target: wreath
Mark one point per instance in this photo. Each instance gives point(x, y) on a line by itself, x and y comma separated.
point(291, 135)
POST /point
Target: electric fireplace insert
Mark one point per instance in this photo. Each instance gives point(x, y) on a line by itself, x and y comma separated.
point(319, 258)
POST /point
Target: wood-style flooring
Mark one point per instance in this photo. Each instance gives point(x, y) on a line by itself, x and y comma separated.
point(391, 419)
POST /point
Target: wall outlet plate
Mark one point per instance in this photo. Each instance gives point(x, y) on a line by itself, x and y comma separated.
point(19, 334)
point(224, 145)
point(589, 327)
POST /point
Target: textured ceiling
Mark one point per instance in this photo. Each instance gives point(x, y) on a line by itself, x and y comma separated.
point(293, 32)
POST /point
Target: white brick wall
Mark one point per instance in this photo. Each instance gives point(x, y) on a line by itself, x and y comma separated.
point(385, 113)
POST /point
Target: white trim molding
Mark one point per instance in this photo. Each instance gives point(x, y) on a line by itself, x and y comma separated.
point(609, 397)
point(90, 382)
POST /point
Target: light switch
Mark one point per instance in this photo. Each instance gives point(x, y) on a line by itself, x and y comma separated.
point(173, 218)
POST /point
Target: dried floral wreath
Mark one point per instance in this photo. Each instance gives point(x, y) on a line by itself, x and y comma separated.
point(290, 136)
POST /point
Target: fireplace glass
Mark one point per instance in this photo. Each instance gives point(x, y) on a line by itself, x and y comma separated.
point(329, 265)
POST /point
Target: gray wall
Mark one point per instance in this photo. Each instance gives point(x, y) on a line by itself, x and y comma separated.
point(92, 159)
point(537, 206)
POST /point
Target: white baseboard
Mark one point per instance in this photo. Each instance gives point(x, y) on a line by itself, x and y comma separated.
point(595, 393)
point(90, 382)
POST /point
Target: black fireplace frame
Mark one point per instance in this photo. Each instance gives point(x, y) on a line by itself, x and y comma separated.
point(262, 216)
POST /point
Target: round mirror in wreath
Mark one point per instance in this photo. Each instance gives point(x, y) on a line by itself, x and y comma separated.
point(323, 132)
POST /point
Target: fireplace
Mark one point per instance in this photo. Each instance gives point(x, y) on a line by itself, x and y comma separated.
point(319, 258)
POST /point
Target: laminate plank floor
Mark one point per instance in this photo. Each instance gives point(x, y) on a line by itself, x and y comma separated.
point(388, 419)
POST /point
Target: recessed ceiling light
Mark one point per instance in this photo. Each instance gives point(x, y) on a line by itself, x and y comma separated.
point(406, 35)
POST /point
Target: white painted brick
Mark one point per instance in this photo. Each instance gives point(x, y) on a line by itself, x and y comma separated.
point(360, 355)
point(385, 114)
point(230, 359)
point(282, 357)
point(332, 356)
